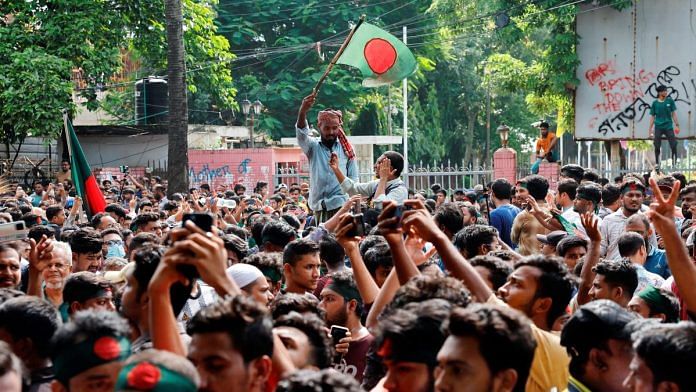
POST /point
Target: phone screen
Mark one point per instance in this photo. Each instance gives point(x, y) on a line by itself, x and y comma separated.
point(203, 220)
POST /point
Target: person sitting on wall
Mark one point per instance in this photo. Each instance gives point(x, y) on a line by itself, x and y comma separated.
point(546, 147)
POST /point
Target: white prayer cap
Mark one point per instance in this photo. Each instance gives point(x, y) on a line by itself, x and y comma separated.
point(244, 274)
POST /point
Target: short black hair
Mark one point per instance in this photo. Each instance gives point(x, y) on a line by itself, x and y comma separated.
point(142, 220)
point(502, 189)
point(568, 186)
point(397, 161)
point(32, 318)
point(346, 280)
point(291, 220)
point(39, 231)
point(497, 329)
point(499, 270)
point(298, 248)
point(147, 258)
point(235, 244)
point(116, 209)
point(629, 243)
point(257, 225)
point(86, 240)
point(424, 287)
point(470, 238)
point(414, 333)
point(292, 302)
point(314, 327)
point(370, 241)
point(573, 171)
point(611, 193)
point(555, 282)
point(620, 273)
point(53, 211)
point(661, 88)
point(331, 252)
point(278, 233)
point(450, 217)
point(82, 286)
point(569, 243)
point(669, 351)
point(590, 175)
point(544, 125)
point(111, 230)
point(270, 264)
point(246, 322)
point(378, 256)
point(537, 186)
point(322, 380)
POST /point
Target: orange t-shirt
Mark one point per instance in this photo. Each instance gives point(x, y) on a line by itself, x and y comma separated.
point(543, 143)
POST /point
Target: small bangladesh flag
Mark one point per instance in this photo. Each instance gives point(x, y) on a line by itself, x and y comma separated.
point(381, 57)
point(83, 180)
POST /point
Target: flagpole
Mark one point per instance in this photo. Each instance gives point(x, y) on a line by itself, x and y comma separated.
point(338, 54)
point(405, 93)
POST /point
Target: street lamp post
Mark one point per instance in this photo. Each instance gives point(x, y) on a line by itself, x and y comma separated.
point(504, 132)
point(253, 109)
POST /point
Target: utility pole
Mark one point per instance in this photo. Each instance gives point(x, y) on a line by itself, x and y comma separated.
point(177, 154)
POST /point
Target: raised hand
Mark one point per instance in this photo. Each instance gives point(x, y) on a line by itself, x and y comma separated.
point(345, 226)
point(40, 254)
point(389, 225)
point(308, 102)
point(384, 169)
point(591, 225)
point(661, 211)
point(333, 162)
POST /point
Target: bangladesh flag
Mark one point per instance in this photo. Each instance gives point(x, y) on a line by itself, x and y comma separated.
point(83, 180)
point(381, 57)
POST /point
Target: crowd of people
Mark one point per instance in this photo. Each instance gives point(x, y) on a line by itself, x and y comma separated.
point(343, 286)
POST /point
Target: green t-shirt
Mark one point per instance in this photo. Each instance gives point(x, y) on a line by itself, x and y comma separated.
point(663, 113)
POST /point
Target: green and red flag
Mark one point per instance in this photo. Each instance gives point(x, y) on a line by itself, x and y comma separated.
point(381, 58)
point(85, 184)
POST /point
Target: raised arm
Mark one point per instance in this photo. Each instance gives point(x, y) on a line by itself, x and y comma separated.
point(423, 225)
point(590, 223)
point(366, 285)
point(389, 226)
point(661, 214)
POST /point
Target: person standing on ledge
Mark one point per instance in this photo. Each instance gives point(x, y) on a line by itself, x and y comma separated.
point(545, 147)
point(325, 195)
point(663, 120)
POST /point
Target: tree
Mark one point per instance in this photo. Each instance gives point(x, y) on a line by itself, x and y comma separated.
point(177, 154)
point(42, 43)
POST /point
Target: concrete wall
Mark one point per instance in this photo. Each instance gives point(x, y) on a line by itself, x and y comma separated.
point(623, 62)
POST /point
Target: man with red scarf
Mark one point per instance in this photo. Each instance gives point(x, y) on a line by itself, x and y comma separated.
point(325, 196)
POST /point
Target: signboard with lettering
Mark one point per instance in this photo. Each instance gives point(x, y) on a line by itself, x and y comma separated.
point(625, 55)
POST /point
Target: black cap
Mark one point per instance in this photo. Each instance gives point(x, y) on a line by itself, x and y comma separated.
point(595, 323)
point(553, 238)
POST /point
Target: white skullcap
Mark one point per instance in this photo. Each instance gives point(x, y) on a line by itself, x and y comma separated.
point(244, 274)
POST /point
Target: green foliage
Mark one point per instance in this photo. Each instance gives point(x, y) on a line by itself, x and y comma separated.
point(41, 43)
point(280, 78)
point(208, 61)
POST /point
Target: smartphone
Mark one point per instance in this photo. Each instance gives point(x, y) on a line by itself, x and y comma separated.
point(338, 333)
point(202, 220)
point(358, 229)
point(399, 211)
point(13, 231)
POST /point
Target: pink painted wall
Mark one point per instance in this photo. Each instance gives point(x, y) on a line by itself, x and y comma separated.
point(245, 166)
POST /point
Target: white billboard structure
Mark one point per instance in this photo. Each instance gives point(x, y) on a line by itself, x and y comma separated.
point(624, 56)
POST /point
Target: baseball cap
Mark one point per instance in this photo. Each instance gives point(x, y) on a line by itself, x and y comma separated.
point(553, 238)
point(593, 324)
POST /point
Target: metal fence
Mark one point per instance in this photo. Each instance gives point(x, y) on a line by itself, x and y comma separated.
point(420, 177)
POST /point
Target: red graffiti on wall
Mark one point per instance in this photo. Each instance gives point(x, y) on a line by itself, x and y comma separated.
point(594, 75)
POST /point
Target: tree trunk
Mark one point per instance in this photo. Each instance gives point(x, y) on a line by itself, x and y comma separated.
point(177, 154)
point(469, 135)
